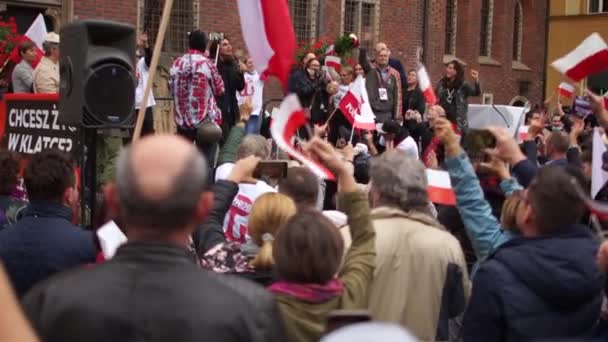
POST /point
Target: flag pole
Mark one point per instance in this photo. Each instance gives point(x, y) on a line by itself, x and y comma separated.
point(352, 133)
point(160, 38)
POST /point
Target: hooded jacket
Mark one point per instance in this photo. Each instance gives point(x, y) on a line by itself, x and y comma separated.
point(541, 288)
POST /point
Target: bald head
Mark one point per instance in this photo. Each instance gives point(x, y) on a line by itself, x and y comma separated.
point(160, 181)
point(158, 161)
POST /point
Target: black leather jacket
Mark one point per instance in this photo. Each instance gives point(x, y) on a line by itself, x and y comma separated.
point(151, 292)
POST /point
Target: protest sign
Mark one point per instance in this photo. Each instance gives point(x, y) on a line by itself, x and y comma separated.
point(29, 125)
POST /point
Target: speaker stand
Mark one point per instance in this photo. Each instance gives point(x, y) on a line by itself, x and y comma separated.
point(88, 179)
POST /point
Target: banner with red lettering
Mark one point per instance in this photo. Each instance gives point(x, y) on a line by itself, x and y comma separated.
point(29, 124)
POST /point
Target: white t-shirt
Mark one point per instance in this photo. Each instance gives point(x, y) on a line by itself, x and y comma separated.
point(237, 217)
point(254, 88)
point(142, 72)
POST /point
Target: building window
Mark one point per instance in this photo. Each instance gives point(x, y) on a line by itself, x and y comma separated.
point(303, 16)
point(487, 99)
point(598, 6)
point(451, 12)
point(518, 23)
point(182, 20)
point(485, 38)
point(360, 18)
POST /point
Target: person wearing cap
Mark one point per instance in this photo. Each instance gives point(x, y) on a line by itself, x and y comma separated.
point(46, 74)
point(395, 136)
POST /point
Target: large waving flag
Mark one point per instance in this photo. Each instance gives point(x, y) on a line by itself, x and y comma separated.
point(268, 33)
point(285, 124)
point(355, 106)
point(589, 58)
point(37, 34)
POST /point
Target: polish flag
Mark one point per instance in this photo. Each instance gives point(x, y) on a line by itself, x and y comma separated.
point(355, 106)
point(440, 187)
point(523, 133)
point(426, 86)
point(566, 90)
point(330, 50)
point(268, 33)
point(333, 62)
point(37, 34)
point(589, 58)
point(285, 124)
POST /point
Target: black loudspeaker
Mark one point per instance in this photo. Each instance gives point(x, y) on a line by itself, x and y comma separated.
point(97, 74)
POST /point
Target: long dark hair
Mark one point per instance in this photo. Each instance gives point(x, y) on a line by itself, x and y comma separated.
point(213, 47)
point(459, 80)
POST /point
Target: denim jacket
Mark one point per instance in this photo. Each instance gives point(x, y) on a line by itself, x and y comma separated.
point(483, 228)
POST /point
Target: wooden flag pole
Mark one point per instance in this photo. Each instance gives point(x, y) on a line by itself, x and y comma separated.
point(160, 38)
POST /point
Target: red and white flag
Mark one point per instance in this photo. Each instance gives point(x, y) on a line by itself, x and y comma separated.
point(333, 62)
point(589, 58)
point(285, 124)
point(37, 34)
point(425, 85)
point(330, 50)
point(440, 187)
point(566, 90)
point(523, 133)
point(355, 106)
point(269, 35)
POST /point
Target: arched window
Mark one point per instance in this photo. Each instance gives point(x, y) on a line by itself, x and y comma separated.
point(485, 34)
point(451, 13)
point(518, 28)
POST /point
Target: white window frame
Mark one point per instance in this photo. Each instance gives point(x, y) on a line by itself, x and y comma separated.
point(487, 98)
point(359, 19)
point(489, 29)
point(600, 6)
point(454, 22)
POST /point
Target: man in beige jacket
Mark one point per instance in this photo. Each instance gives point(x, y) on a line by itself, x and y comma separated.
point(46, 74)
point(420, 280)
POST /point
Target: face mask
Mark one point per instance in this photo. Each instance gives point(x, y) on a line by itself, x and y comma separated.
point(556, 128)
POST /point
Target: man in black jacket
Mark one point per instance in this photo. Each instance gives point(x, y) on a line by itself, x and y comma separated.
point(545, 284)
point(151, 290)
point(45, 241)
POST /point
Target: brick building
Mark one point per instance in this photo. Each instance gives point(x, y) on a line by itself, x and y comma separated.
point(503, 39)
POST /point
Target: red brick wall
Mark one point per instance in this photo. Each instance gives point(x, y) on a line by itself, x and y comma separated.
point(117, 10)
point(401, 27)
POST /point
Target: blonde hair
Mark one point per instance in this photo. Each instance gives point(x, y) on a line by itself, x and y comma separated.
point(508, 218)
point(269, 214)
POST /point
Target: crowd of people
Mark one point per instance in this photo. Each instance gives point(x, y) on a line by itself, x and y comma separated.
point(217, 250)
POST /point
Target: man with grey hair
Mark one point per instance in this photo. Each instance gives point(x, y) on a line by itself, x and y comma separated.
point(420, 280)
point(46, 74)
point(235, 223)
point(151, 290)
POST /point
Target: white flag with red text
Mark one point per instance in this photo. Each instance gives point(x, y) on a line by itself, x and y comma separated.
point(268, 33)
point(355, 106)
point(285, 124)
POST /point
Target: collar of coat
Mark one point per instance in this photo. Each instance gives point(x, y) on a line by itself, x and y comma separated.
point(388, 213)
